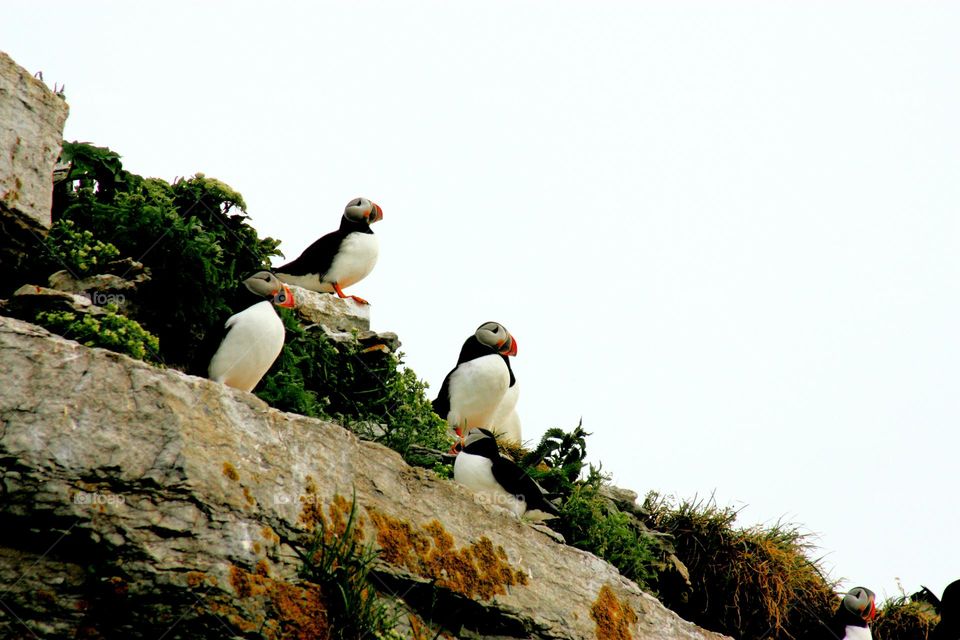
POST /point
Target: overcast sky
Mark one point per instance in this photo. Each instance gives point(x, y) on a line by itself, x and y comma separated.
point(726, 235)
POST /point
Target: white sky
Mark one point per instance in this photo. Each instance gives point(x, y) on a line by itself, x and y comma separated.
point(725, 235)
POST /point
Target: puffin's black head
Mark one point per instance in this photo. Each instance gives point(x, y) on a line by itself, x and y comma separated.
point(363, 210)
point(858, 607)
point(481, 442)
point(496, 336)
point(267, 285)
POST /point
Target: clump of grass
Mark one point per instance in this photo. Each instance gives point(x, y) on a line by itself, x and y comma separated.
point(757, 582)
point(902, 619)
point(338, 560)
point(111, 330)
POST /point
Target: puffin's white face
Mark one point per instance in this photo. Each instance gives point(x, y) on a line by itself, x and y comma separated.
point(495, 335)
point(267, 285)
point(361, 209)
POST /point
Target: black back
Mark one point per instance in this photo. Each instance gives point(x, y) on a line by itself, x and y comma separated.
point(842, 619)
point(318, 257)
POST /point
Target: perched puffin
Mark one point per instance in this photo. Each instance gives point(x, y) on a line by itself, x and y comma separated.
point(502, 482)
point(254, 336)
point(856, 611)
point(340, 258)
point(949, 626)
point(473, 390)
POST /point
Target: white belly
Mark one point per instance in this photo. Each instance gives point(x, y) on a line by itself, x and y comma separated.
point(253, 341)
point(476, 389)
point(505, 422)
point(858, 633)
point(355, 260)
point(476, 473)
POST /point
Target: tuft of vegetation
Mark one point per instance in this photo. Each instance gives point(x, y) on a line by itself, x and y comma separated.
point(192, 234)
point(78, 250)
point(903, 619)
point(111, 331)
point(369, 391)
point(587, 520)
point(338, 559)
point(748, 583)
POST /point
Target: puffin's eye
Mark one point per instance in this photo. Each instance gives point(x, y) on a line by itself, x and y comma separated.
point(268, 278)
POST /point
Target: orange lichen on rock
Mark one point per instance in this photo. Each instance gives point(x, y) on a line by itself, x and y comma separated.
point(478, 570)
point(230, 471)
point(248, 496)
point(292, 610)
point(613, 616)
point(334, 521)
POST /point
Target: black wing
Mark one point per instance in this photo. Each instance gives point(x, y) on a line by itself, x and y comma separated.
point(316, 258)
point(441, 405)
point(515, 480)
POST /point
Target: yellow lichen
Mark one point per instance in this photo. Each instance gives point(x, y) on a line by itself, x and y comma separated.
point(230, 471)
point(613, 616)
point(478, 570)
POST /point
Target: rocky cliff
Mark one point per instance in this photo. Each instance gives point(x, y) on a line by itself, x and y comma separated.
point(143, 503)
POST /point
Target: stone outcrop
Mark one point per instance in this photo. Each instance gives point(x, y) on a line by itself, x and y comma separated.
point(31, 131)
point(138, 502)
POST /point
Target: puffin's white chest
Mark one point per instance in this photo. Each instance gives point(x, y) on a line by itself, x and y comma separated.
point(355, 260)
point(253, 341)
point(505, 422)
point(476, 473)
point(476, 389)
point(857, 633)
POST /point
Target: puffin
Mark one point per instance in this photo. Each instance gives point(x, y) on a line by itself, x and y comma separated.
point(852, 619)
point(480, 467)
point(340, 258)
point(949, 626)
point(254, 336)
point(474, 389)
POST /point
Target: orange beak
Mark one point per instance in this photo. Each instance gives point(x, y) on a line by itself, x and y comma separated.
point(872, 613)
point(509, 347)
point(284, 298)
point(376, 214)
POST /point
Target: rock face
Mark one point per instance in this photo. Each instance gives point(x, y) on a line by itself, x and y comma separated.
point(139, 502)
point(31, 131)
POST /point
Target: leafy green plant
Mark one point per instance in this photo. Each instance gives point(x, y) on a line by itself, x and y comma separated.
point(369, 391)
point(109, 331)
point(340, 562)
point(589, 522)
point(77, 249)
point(749, 583)
point(192, 234)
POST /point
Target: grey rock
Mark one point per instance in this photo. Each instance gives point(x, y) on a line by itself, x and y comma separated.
point(31, 132)
point(335, 313)
point(147, 503)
